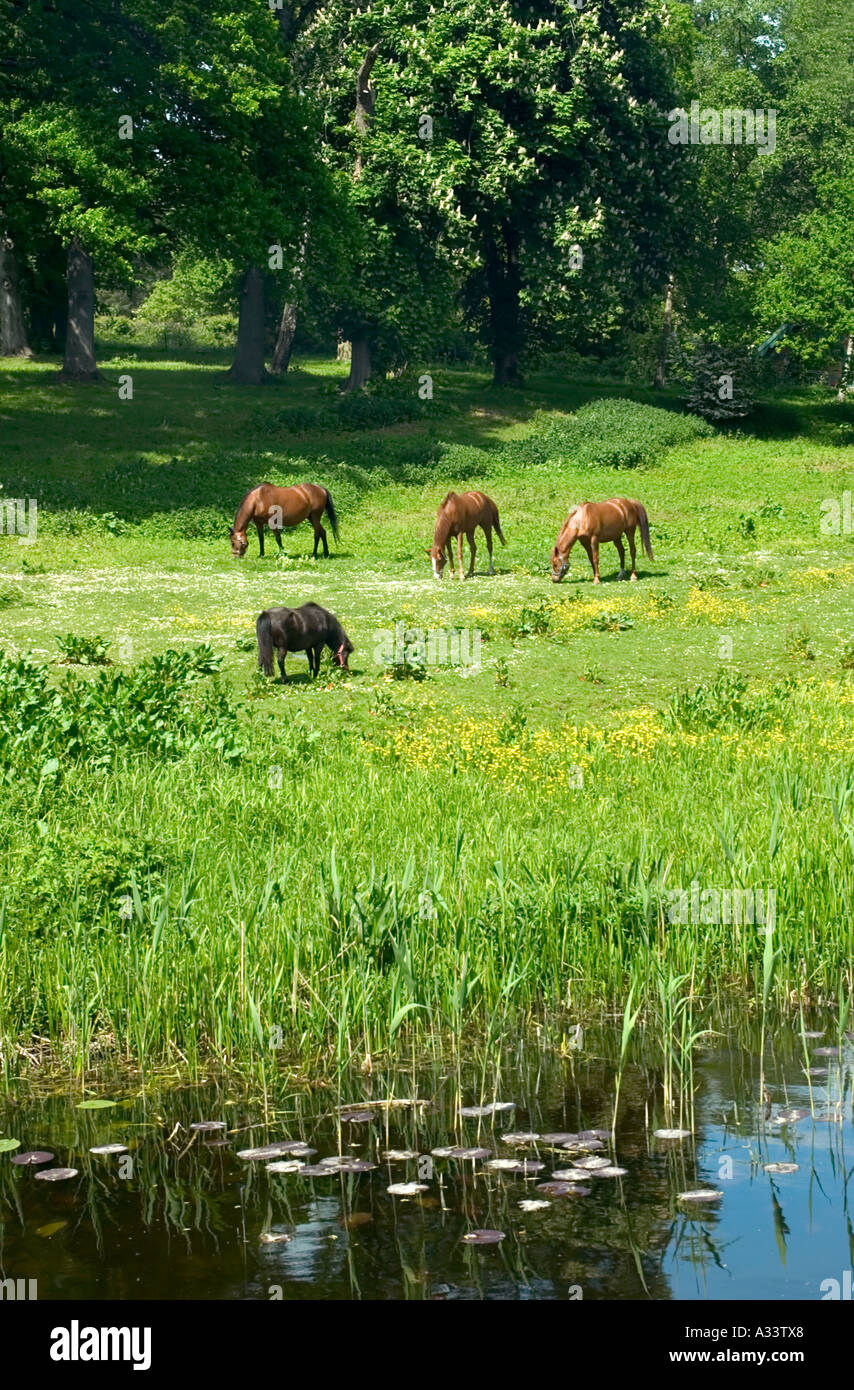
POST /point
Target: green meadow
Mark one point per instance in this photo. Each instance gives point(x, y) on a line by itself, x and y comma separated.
point(198, 865)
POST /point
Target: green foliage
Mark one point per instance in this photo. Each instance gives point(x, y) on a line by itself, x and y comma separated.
point(533, 620)
point(83, 651)
point(729, 703)
point(162, 707)
point(609, 433)
point(721, 383)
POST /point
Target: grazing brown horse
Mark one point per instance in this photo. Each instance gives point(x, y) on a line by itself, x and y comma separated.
point(307, 629)
point(278, 507)
point(458, 515)
point(593, 522)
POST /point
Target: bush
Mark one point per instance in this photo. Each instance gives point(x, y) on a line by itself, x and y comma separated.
point(722, 383)
point(609, 433)
point(161, 707)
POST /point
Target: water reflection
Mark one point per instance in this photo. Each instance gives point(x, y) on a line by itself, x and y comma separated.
point(180, 1216)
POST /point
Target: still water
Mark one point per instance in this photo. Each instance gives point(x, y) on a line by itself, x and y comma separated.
point(178, 1214)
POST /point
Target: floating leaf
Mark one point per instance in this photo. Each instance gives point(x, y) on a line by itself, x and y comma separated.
point(398, 1155)
point(563, 1189)
point(671, 1134)
point(96, 1104)
point(483, 1237)
point(781, 1167)
point(51, 1228)
point(109, 1149)
point(34, 1157)
point(406, 1189)
point(7, 1145)
point(701, 1195)
point(56, 1174)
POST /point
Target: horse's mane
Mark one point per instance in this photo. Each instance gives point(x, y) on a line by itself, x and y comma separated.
point(446, 499)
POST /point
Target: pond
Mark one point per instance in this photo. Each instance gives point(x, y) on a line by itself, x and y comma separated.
point(575, 1213)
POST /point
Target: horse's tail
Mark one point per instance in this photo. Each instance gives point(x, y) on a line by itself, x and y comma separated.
point(643, 522)
point(264, 633)
point(497, 524)
point(329, 508)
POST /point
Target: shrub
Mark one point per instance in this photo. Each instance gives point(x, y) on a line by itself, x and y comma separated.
point(162, 707)
point(728, 702)
point(722, 383)
point(609, 433)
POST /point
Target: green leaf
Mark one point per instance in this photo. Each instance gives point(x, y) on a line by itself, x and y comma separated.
point(95, 1104)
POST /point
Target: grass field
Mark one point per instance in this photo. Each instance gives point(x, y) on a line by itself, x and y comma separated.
point(210, 866)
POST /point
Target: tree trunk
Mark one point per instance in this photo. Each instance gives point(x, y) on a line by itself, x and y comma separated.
point(503, 283)
point(360, 364)
point(79, 362)
point(365, 102)
point(248, 368)
point(845, 375)
point(664, 341)
point(285, 340)
point(13, 334)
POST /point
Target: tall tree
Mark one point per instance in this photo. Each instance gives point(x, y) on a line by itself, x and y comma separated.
point(549, 160)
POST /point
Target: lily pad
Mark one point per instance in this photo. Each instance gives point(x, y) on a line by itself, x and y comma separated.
point(8, 1145)
point(483, 1237)
point(275, 1151)
point(96, 1104)
point(531, 1204)
point(33, 1158)
point(285, 1165)
point(781, 1167)
point(56, 1174)
point(51, 1228)
point(470, 1153)
point(109, 1149)
point(398, 1155)
point(521, 1138)
point(207, 1126)
point(703, 1194)
point(563, 1189)
point(406, 1189)
point(671, 1134)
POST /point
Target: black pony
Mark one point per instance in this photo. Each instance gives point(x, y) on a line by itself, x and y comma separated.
point(307, 629)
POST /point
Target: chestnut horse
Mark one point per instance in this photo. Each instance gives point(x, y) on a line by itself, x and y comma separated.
point(593, 522)
point(278, 507)
point(458, 515)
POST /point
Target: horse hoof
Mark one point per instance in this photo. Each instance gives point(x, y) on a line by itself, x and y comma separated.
point(634, 578)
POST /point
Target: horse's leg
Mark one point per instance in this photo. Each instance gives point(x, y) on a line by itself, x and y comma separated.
point(630, 536)
point(319, 535)
point(622, 554)
point(314, 660)
point(487, 531)
point(278, 536)
point(460, 554)
point(260, 528)
point(473, 549)
point(592, 548)
point(282, 654)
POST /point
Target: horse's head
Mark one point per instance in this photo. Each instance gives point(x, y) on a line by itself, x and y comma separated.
point(239, 542)
point(560, 564)
point(438, 559)
point(343, 652)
